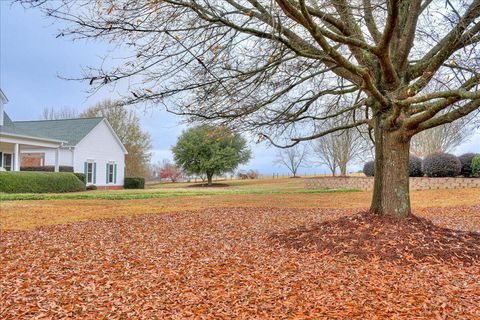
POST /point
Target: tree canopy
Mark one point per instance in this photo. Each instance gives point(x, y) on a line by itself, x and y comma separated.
point(208, 150)
point(285, 68)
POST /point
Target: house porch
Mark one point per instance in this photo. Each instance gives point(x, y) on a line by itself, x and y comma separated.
point(12, 145)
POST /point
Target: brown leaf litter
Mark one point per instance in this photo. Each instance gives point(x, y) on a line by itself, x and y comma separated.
point(224, 264)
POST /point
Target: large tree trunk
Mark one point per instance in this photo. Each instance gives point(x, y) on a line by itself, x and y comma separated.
point(391, 187)
point(209, 178)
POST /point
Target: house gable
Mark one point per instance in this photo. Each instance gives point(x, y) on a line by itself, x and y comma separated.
point(101, 147)
point(106, 124)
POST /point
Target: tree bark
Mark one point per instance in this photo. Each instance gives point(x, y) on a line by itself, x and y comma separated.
point(209, 179)
point(391, 181)
point(343, 169)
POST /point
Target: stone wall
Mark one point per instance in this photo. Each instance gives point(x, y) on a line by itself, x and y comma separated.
point(366, 183)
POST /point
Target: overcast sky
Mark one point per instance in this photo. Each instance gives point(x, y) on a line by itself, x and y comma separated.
point(32, 59)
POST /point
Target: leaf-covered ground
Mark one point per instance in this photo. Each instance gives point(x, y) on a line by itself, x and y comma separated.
point(225, 263)
point(16, 215)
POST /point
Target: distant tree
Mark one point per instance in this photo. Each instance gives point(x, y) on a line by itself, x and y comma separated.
point(154, 170)
point(339, 149)
point(126, 124)
point(326, 152)
point(208, 150)
point(293, 158)
point(443, 138)
point(170, 171)
point(64, 113)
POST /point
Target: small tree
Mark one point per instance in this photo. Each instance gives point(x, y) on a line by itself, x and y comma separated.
point(293, 158)
point(208, 150)
point(339, 149)
point(170, 171)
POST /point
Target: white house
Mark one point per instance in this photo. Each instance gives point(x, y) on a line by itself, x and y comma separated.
point(89, 145)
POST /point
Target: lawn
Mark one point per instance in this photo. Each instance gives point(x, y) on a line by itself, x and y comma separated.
point(257, 249)
point(223, 187)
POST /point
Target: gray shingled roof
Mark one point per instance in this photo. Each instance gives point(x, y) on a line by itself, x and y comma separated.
point(69, 130)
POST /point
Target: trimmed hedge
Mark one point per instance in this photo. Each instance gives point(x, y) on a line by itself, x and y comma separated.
point(415, 166)
point(91, 187)
point(441, 165)
point(47, 169)
point(369, 168)
point(39, 182)
point(81, 176)
point(476, 166)
point(134, 183)
point(466, 161)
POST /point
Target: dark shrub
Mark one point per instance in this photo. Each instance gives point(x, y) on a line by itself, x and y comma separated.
point(39, 182)
point(369, 168)
point(48, 169)
point(466, 161)
point(91, 187)
point(81, 176)
point(134, 183)
point(250, 174)
point(415, 166)
point(442, 165)
point(476, 166)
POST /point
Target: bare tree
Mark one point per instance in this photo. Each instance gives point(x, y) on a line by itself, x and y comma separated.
point(443, 138)
point(325, 149)
point(293, 158)
point(339, 149)
point(55, 114)
point(278, 68)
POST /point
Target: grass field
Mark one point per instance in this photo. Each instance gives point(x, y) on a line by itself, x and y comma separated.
point(262, 193)
point(227, 187)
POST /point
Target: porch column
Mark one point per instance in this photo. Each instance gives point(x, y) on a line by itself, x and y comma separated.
point(16, 157)
point(57, 166)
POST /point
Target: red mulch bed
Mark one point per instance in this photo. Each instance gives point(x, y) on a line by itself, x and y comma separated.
point(224, 264)
point(368, 236)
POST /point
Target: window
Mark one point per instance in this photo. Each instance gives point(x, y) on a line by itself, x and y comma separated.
point(7, 161)
point(110, 172)
point(90, 172)
point(32, 160)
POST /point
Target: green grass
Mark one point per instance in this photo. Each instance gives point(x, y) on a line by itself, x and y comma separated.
point(149, 194)
point(167, 190)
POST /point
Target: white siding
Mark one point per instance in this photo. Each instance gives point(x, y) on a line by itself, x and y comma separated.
point(100, 146)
